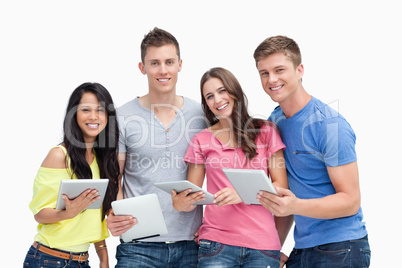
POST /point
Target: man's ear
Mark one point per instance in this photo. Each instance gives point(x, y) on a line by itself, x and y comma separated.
point(142, 67)
point(300, 71)
point(180, 64)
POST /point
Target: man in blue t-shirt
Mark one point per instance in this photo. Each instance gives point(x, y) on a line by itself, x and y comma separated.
point(324, 193)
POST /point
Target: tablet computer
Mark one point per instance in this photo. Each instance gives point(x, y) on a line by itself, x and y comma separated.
point(73, 188)
point(147, 210)
point(180, 186)
point(249, 182)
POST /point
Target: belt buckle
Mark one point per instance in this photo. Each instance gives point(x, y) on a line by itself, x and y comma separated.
point(170, 242)
point(82, 255)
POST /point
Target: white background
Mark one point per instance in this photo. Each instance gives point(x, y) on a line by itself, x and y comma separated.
point(351, 53)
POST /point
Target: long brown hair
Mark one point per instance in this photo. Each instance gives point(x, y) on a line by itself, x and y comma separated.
point(245, 128)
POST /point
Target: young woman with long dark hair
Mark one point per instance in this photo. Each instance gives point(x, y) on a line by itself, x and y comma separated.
point(233, 234)
point(88, 151)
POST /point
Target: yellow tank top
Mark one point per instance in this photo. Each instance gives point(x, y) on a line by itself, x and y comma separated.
point(74, 235)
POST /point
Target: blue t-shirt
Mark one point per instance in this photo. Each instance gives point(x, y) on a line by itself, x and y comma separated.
point(316, 137)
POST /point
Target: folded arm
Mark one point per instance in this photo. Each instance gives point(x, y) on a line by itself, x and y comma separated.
point(345, 202)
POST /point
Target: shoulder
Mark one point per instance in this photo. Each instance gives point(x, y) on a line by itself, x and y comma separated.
point(193, 114)
point(128, 107)
point(276, 115)
point(267, 124)
point(328, 125)
point(192, 105)
point(202, 137)
point(188, 100)
point(205, 133)
point(277, 109)
point(56, 158)
point(269, 129)
point(200, 142)
point(325, 111)
point(328, 115)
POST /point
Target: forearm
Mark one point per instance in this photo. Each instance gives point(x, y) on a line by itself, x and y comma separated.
point(120, 191)
point(333, 206)
point(122, 163)
point(101, 250)
point(277, 170)
point(51, 215)
point(283, 226)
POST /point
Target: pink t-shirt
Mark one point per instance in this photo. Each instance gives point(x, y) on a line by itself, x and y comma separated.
point(241, 225)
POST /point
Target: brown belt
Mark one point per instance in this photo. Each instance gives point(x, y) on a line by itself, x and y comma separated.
point(80, 257)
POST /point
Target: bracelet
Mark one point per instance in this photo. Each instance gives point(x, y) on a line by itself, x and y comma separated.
point(101, 247)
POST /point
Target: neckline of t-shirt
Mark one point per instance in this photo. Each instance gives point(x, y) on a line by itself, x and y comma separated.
point(301, 111)
point(225, 146)
point(137, 102)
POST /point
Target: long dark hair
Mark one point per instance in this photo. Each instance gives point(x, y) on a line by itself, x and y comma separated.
point(245, 128)
point(105, 145)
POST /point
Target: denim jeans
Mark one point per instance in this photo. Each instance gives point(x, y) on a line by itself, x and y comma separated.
point(157, 254)
point(214, 254)
point(37, 259)
point(353, 253)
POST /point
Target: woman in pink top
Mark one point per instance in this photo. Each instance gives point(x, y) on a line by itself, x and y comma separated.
point(233, 234)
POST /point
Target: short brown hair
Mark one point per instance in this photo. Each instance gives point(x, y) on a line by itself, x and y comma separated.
point(276, 44)
point(157, 38)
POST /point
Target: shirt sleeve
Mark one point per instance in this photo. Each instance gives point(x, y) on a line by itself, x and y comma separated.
point(272, 138)
point(122, 134)
point(337, 142)
point(46, 188)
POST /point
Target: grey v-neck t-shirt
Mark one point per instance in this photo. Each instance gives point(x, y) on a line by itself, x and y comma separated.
point(154, 153)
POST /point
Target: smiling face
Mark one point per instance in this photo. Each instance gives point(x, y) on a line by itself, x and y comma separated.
point(162, 66)
point(217, 98)
point(91, 116)
point(280, 79)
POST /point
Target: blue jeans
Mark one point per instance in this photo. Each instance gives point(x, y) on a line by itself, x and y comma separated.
point(157, 254)
point(353, 253)
point(214, 254)
point(37, 259)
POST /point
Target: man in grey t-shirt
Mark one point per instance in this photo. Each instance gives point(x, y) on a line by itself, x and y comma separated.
point(155, 131)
